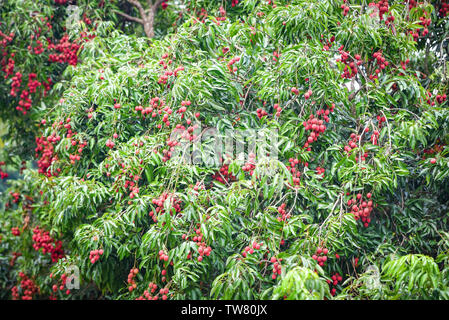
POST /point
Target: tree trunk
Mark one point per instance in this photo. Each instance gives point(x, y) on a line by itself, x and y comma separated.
point(148, 22)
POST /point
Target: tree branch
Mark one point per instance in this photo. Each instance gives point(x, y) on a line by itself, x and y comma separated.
point(139, 6)
point(352, 95)
point(146, 16)
point(127, 16)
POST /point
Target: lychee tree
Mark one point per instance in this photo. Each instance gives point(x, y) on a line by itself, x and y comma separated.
point(350, 203)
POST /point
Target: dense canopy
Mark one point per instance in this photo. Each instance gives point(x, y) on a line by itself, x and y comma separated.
point(252, 149)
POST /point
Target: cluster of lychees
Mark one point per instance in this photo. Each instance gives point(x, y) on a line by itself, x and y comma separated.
point(320, 171)
point(444, 9)
point(175, 204)
point(14, 257)
point(320, 256)
point(283, 215)
point(28, 286)
point(15, 231)
point(163, 292)
point(441, 98)
point(328, 43)
point(261, 113)
point(336, 278)
point(223, 175)
point(381, 62)
point(45, 152)
point(277, 268)
point(316, 126)
point(362, 208)
point(250, 249)
point(296, 173)
point(59, 287)
point(68, 51)
point(251, 164)
point(132, 283)
point(42, 240)
point(345, 8)
point(15, 195)
point(3, 174)
point(350, 70)
point(232, 62)
point(203, 249)
point(168, 73)
point(94, 255)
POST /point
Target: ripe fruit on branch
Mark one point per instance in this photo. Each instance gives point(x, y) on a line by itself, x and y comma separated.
point(3, 174)
point(250, 249)
point(345, 8)
point(295, 171)
point(261, 113)
point(278, 110)
point(174, 204)
point(163, 256)
point(28, 286)
point(283, 215)
point(350, 70)
point(308, 94)
point(45, 145)
point(42, 240)
point(232, 62)
point(251, 164)
point(68, 51)
point(95, 255)
point(295, 90)
point(223, 175)
point(316, 125)
point(441, 98)
point(320, 256)
point(320, 171)
point(336, 278)
point(277, 268)
point(15, 231)
point(353, 144)
point(381, 7)
point(110, 144)
point(132, 283)
point(361, 208)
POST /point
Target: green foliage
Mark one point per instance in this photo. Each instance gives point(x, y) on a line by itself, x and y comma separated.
point(266, 230)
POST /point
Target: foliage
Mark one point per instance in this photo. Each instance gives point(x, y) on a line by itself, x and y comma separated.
point(352, 202)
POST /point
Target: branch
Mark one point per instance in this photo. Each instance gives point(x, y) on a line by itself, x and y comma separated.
point(137, 4)
point(156, 5)
point(146, 16)
point(352, 95)
point(127, 16)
